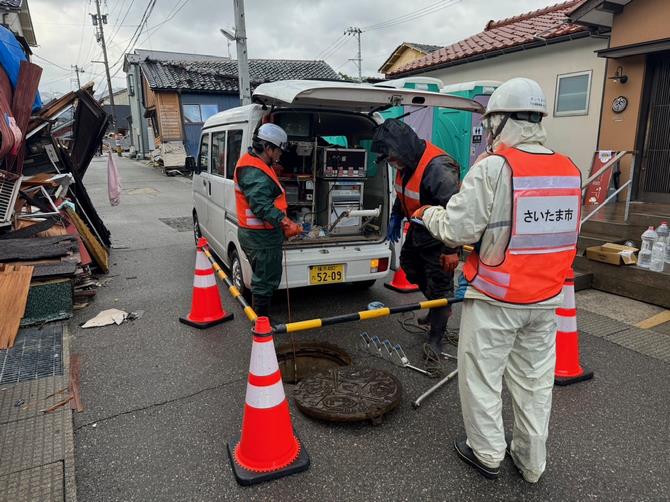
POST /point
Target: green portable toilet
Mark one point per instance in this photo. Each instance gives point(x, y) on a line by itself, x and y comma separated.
point(456, 132)
point(460, 132)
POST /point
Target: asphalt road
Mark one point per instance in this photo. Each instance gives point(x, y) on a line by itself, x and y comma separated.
point(162, 399)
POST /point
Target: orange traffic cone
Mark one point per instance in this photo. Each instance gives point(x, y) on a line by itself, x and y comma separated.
point(399, 282)
point(267, 448)
point(206, 307)
point(568, 370)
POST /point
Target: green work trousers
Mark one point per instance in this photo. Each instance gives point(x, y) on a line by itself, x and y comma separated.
point(266, 264)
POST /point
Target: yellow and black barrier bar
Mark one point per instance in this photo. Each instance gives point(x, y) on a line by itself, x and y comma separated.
point(364, 315)
point(234, 292)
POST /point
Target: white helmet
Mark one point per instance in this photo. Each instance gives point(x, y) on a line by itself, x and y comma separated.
point(273, 134)
point(517, 95)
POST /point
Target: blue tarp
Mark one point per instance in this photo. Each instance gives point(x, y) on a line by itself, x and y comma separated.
point(11, 55)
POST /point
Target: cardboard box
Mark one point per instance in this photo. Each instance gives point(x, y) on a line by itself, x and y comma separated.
point(614, 254)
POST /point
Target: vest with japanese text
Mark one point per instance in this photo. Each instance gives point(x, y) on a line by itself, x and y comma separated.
point(546, 192)
point(245, 216)
point(410, 199)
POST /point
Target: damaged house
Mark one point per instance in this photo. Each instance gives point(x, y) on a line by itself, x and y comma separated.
point(172, 94)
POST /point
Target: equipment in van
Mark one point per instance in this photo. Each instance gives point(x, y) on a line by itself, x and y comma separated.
point(355, 213)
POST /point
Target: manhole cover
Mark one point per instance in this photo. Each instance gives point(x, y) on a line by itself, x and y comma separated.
point(348, 394)
point(181, 224)
point(37, 353)
point(303, 359)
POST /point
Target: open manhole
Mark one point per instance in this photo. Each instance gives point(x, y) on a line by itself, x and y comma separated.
point(348, 394)
point(303, 359)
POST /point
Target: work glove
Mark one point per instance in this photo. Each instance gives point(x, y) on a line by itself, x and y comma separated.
point(418, 214)
point(290, 227)
point(449, 262)
point(394, 227)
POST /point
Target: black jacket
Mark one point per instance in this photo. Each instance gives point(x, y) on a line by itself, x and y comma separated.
point(440, 179)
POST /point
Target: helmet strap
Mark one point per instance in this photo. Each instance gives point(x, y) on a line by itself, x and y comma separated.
point(496, 133)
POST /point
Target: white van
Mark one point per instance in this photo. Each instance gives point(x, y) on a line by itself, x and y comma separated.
point(328, 170)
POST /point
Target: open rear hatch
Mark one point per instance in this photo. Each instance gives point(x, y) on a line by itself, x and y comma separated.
point(347, 96)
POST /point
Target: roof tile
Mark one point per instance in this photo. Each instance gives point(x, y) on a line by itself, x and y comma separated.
point(547, 23)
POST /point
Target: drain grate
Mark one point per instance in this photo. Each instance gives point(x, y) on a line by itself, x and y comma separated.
point(37, 353)
point(181, 224)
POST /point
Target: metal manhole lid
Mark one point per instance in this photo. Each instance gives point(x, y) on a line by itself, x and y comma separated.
point(348, 394)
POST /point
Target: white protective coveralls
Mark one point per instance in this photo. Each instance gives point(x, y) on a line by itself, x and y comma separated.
point(497, 338)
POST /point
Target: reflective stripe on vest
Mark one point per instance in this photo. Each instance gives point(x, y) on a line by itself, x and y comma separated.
point(409, 195)
point(545, 227)
point(245, 216)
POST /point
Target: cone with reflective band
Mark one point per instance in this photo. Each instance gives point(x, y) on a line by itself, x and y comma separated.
point(400, 282)
point(267, 448)
point(206, 309)
point(568, 369)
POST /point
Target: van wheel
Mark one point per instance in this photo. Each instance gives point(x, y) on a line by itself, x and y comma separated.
point(236, 273)
point(196, 228)
point(362, 285)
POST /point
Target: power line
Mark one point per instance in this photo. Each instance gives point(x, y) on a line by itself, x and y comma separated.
point(411, 16)
point(136, 34)
point(324, 51)
point(51, 62)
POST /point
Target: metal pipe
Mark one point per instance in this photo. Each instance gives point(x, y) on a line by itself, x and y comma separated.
point(630, 190)
point(439, 384)
point(364, 315)
point(234, 292)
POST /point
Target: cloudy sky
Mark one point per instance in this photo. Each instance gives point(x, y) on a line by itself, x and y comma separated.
point(295, 29)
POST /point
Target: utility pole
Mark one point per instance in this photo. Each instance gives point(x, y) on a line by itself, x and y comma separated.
point(240, 38)
point(77, 70)
point(242, 60)
point(352, 30)
point(98, 21)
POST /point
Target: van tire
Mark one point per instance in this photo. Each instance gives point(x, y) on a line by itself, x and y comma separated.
point(197, 233)
point(363, 285)
point(236, 275)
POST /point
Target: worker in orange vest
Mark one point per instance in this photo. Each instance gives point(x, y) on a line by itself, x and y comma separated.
point(261, 206)
point(425, 174)
point(520, 203)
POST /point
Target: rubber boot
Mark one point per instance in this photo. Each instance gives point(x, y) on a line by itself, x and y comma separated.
point(438, 326)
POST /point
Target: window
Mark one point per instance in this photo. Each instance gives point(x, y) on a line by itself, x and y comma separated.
point(203, 156)
point(207, 111)
point(219, 153)
point(572, 94)
point(234, 151)
point(192, 114)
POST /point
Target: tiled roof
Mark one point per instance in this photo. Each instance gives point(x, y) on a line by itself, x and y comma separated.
point(11, 4)
point(424, 47)
point(220, 74)
point(532, 27)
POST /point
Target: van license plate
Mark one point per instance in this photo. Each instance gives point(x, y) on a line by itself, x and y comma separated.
point(326, 274)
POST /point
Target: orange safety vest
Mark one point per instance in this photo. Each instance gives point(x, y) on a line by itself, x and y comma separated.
point(245, 216)
point(545, 225)
point(410, 199)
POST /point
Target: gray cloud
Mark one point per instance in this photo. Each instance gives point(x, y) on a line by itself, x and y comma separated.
point(295, 29)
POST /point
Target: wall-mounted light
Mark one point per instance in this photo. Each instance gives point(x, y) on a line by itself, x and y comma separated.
point(619, 76)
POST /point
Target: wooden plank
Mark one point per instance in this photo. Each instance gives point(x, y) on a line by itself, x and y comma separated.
point(35, 248)
point(14, 286)
point(75, 365)
point(22, 106)
point(93, 245)
point(655, 320)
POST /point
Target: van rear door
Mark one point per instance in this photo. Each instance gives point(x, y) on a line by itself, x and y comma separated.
point(362, 98)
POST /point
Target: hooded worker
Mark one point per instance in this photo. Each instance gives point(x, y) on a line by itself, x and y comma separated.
point(425, 174)
point(261, 213)
point(520, 205)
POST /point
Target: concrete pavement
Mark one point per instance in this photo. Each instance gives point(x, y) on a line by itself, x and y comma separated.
point(162, 399)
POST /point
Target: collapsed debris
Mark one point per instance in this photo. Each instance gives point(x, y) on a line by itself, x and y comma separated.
point(52, 240)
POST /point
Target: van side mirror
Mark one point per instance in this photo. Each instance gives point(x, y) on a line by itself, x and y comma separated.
point(191, 165)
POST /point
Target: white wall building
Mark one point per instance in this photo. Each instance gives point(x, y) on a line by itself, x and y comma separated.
point(562, 59)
